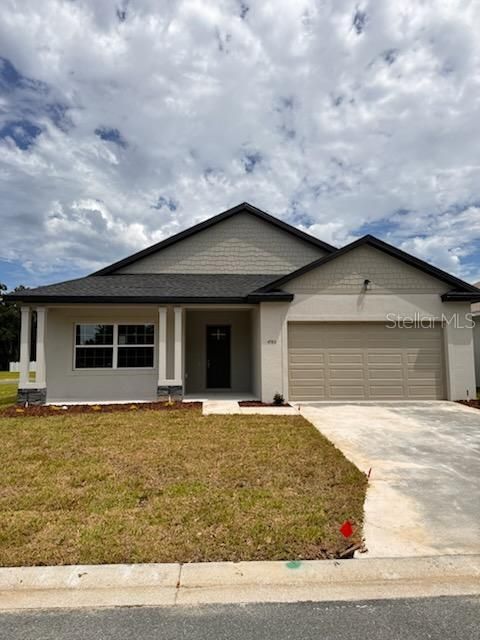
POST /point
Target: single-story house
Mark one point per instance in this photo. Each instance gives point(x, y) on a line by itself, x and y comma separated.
point(476, 338)
point(247, 305)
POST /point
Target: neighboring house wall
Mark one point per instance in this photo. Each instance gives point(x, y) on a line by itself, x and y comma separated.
point(242, 244)
point(64, 383)
point(14, 367)
point(240, 322)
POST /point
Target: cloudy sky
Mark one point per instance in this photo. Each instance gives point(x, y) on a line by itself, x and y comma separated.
point(125, 121)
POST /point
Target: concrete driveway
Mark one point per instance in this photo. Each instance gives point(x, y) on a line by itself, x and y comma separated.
point(424, 493)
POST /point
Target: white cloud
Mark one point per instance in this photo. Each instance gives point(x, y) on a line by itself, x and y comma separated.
point(357, 124)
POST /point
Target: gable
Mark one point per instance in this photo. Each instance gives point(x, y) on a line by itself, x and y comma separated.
point(348, 272)
point(242, 243)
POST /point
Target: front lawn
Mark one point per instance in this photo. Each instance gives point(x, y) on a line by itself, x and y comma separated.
point(171, 486)
point(8, 393)
point(9, 375)
point(8, 387)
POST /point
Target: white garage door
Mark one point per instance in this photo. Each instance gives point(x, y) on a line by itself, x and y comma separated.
point(364, 361)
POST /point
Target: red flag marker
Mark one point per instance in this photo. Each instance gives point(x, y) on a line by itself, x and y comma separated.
point(346, 529)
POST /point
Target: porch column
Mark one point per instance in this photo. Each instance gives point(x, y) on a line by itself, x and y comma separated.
point(25, 336)
point(41, 373)
point(162, 346)
point(178, 354)
point(170, 388)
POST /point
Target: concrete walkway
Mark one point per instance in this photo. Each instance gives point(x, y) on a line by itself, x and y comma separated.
point(228, 582)
point(423, 496)
point(210, 407)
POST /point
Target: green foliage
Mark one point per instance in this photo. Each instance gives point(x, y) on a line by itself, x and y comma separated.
point(9, 329)
point(278, 399)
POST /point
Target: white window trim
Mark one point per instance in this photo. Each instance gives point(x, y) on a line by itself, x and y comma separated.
point(114, 346)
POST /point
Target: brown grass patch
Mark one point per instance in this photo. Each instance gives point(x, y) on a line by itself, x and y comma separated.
point(36, 410)
point(172, 486)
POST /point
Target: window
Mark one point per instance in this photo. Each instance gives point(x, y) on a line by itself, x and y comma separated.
point(88, 353)
point(114, 346)
point(132, 345)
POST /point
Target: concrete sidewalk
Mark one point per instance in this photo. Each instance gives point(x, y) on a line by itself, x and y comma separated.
point(223, 407)
point(228, 582)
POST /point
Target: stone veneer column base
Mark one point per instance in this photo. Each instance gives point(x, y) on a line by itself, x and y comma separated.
point(175, 392)
point(32, 396)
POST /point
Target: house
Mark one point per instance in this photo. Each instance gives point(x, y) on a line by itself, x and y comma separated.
point(476, 338)
point(248, 305)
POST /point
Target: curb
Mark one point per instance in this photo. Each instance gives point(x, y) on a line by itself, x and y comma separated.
point(228, 582)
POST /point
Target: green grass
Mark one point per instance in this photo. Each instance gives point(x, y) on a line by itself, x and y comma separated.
point(8, 392)
point(8, 375)
point(171, 487)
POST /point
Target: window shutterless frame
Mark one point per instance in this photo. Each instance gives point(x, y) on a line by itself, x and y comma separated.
point(115, 346)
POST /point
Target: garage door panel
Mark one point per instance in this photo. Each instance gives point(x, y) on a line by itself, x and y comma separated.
point(375, 358)
point(341, 357)
point(309, 393)
point(307, 358)
point(362, 361)
point(309, 374)
point(425, 393)
point(349, 392)
point(345, 374)
point(387, 392)
point(384, 374)
point(426, 358)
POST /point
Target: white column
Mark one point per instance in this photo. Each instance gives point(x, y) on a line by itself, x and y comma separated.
point(25, 334)
point(41, 373)
point(162, 345)
point(178, 357)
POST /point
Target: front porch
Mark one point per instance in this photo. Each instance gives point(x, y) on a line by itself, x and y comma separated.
point(117, 353)
point(221, 353)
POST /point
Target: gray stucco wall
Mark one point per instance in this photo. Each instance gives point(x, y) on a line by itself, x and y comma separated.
point(241, 348)
point(64, 383)
point(242, 244)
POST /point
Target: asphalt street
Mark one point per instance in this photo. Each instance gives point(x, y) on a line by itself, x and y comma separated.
point(444, 618)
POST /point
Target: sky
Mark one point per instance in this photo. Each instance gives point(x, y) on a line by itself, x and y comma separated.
point(123, 122)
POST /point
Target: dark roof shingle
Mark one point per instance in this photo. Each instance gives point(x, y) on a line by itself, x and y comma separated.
point(148, 287)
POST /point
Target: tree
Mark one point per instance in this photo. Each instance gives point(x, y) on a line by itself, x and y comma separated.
point(9, 329)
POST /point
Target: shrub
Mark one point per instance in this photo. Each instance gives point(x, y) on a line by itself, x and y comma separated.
point(278, 399)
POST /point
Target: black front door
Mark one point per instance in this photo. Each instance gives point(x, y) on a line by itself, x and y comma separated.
point(218, 357)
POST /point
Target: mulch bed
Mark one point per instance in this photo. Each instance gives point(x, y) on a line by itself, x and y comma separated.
point(59, 410)
point(475, 404)
point(257, 403)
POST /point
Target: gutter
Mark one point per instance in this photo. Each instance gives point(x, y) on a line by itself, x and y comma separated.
point(252, 298)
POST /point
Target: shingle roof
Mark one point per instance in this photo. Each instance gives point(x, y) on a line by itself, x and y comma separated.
point(168, 287)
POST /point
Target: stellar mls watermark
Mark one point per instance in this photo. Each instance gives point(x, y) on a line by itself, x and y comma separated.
point(419, 321)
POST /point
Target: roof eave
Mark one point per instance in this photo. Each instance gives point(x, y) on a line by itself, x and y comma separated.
point(461, 296)
point(50, 299)
point(268, 297)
